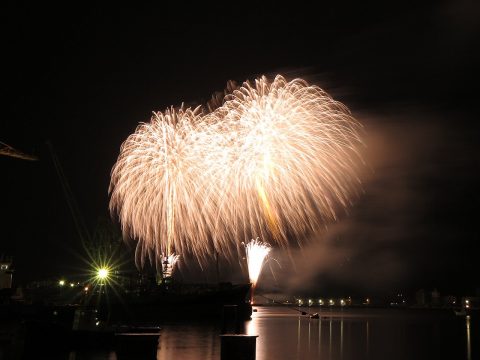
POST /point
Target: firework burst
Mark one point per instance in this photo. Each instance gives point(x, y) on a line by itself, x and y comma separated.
point(275, 159)
point(256, 252)
point(168, 264)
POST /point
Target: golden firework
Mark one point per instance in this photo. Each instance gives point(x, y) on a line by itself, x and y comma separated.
point(272, 159)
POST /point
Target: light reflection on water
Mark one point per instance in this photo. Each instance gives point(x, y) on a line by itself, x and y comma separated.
point(469, 345)
point(339, 334)
point(348, 334)
point(187, 342)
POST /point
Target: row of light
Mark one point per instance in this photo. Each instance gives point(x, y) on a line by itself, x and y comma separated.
point(331, 302)
point(101, 274)
point(63, 283)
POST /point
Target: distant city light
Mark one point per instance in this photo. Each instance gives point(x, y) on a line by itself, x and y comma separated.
point(320, 302)
point(72, 284)
point(331, 302)
point(342, 302)
point(86, 288)
point(61, 282)
point(102, 273)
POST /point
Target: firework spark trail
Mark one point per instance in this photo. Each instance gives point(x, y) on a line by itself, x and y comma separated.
point(168, 264)
point(256, 252)
point(154, 178)
point(275, 159)
point(295, 141)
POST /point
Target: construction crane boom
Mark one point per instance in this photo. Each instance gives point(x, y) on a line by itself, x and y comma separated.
point(7, 150)
point(82, 229)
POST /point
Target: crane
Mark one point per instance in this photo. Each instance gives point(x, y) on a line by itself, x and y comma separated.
point(7, 150)
point(80, 225)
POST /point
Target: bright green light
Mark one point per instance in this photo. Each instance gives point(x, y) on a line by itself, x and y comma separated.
point(102, 273)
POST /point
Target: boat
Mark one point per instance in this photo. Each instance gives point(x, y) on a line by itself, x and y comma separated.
point(174, 301)
point(119, 318)
point(146, 303)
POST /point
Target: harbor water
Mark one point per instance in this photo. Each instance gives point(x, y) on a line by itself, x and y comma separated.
point(284, 333)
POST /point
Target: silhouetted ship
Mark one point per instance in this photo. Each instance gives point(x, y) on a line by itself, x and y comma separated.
point(77, 314)
point(172, 301)
point(134, 298)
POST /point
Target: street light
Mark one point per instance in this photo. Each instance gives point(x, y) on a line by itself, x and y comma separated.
point(103, 273)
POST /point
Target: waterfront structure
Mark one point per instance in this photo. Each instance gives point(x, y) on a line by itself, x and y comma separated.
point(6, 272)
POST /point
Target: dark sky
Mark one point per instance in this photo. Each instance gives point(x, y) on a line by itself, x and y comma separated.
point(82, 78)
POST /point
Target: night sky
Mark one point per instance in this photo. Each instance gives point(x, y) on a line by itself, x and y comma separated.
point(83, 78)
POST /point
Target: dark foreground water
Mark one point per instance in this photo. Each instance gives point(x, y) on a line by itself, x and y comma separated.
point(386, 334)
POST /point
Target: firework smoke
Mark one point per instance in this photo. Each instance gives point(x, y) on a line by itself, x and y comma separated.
point(275, 159)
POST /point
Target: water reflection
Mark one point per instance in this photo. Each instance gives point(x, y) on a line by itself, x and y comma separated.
point(89, 355)
point(188, 342)
point(309, 336)
point(341, 339)
point(319, 336)
point(469, 346)
point(368, 338)
point(298, 335)
point(360, 335)
point(330, 339)
point(352, 334)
